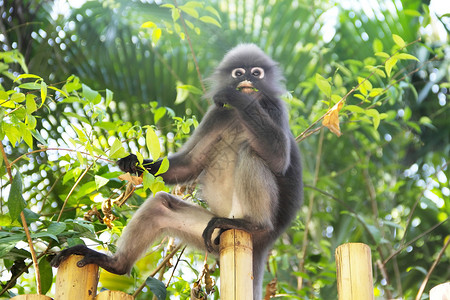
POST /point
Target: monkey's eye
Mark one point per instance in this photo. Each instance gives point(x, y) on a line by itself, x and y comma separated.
point(258, 72)
point(238, 72)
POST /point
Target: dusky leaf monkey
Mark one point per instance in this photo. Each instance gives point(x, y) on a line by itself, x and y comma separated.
point(245, 159)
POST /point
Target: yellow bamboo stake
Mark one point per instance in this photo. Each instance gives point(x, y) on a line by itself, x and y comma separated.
point(77, 283)
point(113, 295)
point(236, 274)
point(354, 272)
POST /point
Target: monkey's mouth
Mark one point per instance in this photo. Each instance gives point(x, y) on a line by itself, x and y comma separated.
point(246, 87)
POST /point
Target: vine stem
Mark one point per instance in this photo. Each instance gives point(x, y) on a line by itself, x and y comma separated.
point(25, 226)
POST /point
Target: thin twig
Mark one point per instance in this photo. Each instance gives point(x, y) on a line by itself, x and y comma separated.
point(72, 190)
point(59, 149)
point(25, 225)
point(159, 267)
point(427, 277)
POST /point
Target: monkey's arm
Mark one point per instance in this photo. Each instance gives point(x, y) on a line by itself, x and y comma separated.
point(186, 164)
point(268, 129)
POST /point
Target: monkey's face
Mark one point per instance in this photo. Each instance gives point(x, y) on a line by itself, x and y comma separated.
point(246, 79)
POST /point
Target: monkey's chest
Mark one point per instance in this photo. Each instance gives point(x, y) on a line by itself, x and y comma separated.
point(221, 180)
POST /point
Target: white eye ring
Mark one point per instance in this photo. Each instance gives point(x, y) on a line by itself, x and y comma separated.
point(257, 72)
point(238, 72)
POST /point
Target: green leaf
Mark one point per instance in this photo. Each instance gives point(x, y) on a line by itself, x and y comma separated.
point(7, 104)
point(46, 275)
point(175, 14)
point(405, 56)
point(30, 103)
point(354, 108)
point(18, 97)
point(182, 93)
point(398, 40)
point(382, 54)
point(163, 167)
point(159, 113)
point(323, 84)
point(30, 121)
point(43, 92)
point(56, 228)
point(91, 95)
point(407, 113)
point(425, 120)
point(158, 185)
point(375, 117)
point(100, 181)
point(117, 150)
point(140, 158)
point(30, 86)
point(80, 134)
point(210, 20)
point(190, 11)
point(377, 45)
point(149, 24)
point(157, 287)
point(59, 91)
point(152, 142)
point(22, 76)
point(390, 63)
point(376, 92)
point(213, 11)
point(156, 35)
point(109, 97)
point(12, 133)
point(16, 203)
point(26, 134)
point(147, 180)
point(192, 89)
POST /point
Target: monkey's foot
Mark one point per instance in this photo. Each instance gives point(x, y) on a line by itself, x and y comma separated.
point(225, 224)
point(90, 257)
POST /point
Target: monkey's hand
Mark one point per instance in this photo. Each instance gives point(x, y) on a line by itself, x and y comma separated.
point(90, 257)
point(130, 164)
point(225, 224)
point(231, 96)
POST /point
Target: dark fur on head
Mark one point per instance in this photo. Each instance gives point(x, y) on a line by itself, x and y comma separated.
point(252, 56)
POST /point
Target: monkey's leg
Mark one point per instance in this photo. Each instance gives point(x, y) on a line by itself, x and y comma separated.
point(162, 214)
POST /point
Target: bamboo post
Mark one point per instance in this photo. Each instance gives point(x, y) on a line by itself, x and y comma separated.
point(113, 295)
point(31, 297)
point(236, 265)
point(354, 272)
point(440, 292)
point(77, 283)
